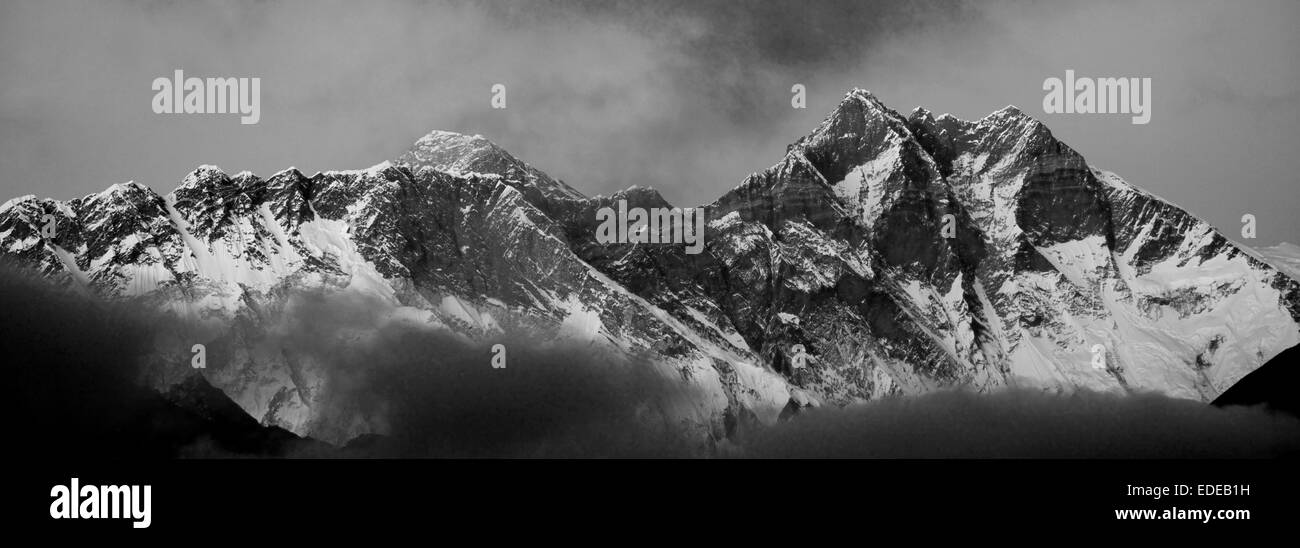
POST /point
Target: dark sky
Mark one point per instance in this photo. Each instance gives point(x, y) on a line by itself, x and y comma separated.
point(685, 96)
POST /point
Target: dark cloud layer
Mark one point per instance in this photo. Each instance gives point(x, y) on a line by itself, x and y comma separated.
point(72, 373)
point(438, 395)
point(71, 370)
point(685, 96)
point(1031, 424)
point(75, 369)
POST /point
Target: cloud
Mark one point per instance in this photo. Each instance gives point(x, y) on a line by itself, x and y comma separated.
point(73, 375)
point(71, 368)
point(685, 96)
point(1020, 423)
point(436, 394)
point(76, 368)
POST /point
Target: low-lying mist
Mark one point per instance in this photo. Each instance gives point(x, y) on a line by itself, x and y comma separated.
point(74, 378)
point(1024, 423)
point(438, 394)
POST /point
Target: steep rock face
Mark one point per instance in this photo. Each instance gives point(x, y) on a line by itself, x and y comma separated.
point(841, 248)
point(903, 254)
point(1095, 261)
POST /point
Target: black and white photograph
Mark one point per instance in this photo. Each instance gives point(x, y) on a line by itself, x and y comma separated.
point(1033, 263)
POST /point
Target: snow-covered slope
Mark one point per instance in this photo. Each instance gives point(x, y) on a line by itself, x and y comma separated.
point(903, 253)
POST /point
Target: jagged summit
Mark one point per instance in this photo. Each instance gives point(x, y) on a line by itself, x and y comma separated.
point(119, 188)
point(862, 101)
point(12, 202)
point(864, 95)
point(638, 194)
point(1009, 110)
point(454, 151)
point(457, 153)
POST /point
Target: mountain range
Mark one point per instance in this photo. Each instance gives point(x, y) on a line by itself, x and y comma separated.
point(904, 254)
